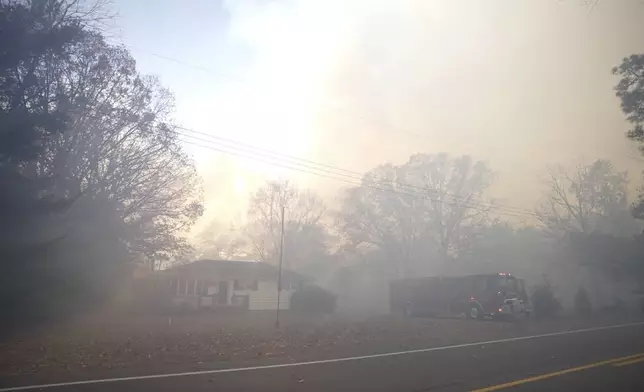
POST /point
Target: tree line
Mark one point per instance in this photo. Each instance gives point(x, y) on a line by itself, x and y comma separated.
point(433, 215)
point(94, 179)
point(95, 183)
point(429, 215)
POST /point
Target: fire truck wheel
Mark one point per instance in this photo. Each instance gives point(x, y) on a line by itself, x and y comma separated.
point(475, 312)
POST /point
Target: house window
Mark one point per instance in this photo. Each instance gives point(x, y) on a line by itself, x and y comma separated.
point(245, 285)
point(290, 285)
point(199, 290)
point(191, 287)
point(211, 288)
point(182, 287)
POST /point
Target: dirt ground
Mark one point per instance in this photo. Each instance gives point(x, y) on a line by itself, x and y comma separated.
point(115, 344)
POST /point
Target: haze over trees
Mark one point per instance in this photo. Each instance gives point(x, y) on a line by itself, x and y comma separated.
point(424, 210)
point(303, 212)
point(432, 215)
point(307, 237)
point(94, 180)
point(588, 198)
point(96, 183)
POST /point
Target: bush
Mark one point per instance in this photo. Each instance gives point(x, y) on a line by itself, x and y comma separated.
point(583, 307)
point(313, 299)
point(544, 301)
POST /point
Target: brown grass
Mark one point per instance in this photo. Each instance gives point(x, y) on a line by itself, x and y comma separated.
point(150, 344)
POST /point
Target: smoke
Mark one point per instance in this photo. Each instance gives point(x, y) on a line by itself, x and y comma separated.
point(520, 85)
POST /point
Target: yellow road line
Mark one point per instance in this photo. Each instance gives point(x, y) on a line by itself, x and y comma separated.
point(560, 373)
point(630, 362)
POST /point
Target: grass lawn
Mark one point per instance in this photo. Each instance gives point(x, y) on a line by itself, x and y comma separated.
point(140, 344)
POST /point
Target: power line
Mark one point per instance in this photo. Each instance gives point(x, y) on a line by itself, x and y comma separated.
point(327, 173)
point(310, 164)
point(390, 190)
point(210, 71)
point(336, 170)
point(258, 158)
point(263, 150)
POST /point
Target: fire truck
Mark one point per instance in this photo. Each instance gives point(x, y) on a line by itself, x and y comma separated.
point(499, 295)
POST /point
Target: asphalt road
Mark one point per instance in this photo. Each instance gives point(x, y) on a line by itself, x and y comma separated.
point(593, 360)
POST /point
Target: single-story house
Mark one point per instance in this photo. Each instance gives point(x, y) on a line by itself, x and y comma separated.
point(225, 283)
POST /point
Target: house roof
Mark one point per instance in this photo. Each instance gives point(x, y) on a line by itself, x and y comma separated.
point(232, 269)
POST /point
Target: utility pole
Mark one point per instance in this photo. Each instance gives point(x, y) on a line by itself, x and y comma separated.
point(279, 274)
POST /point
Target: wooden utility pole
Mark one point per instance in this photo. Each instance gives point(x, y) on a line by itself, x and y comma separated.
point(279, 273)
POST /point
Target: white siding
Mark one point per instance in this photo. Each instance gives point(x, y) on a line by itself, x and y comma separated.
point(265, 298)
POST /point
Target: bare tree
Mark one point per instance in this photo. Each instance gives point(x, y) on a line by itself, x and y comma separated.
point(427, 207)
point(454, 196)
point(585, 199)
point(217, 242)
point(380, 214)
point(303, 214)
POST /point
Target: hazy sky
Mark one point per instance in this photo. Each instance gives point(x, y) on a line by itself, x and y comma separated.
point(518, 84)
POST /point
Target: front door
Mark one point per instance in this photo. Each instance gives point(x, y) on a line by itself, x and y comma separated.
point(222, 293)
